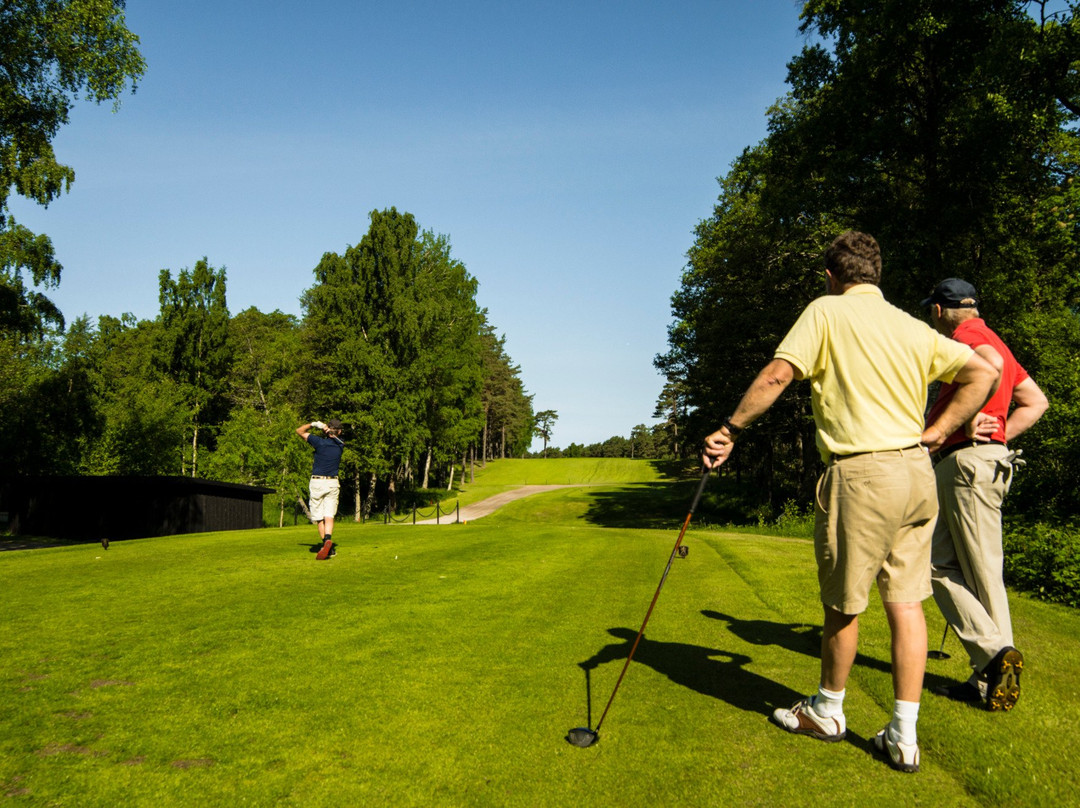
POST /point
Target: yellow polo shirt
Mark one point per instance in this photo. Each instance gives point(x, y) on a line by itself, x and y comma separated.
point(869, 365)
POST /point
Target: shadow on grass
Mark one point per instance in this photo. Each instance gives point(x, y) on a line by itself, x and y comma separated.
point(710, 671)
point(665, 503)
point(723, 675)
point(803, 638)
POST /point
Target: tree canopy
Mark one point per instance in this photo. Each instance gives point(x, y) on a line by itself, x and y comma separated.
point(51, 53)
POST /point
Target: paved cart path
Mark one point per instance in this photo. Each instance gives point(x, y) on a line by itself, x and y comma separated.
point(493, 503)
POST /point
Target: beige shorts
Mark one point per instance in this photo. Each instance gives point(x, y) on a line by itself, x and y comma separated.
point(874, 517)
point(323, 502)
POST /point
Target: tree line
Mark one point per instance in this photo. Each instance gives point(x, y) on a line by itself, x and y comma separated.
point(949, 132)
point(391, 341)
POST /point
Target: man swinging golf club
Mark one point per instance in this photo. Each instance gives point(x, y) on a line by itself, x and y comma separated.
point(324, 486)
point(869, 365)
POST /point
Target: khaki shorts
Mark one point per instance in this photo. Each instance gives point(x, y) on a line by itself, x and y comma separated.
point(874, 517)
point(324, 498)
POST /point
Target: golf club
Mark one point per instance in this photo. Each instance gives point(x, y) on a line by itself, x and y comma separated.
point(583, 736)
point(940, 653)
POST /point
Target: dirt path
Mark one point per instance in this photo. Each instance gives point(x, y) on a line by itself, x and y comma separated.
point(488, 506)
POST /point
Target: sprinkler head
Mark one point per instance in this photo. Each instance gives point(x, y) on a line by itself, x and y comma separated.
point(582, 736)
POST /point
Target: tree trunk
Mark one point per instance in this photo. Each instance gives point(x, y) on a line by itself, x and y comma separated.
point(450, 485)
point(304, 508)
point(502, 442)
point(484, 443)
point(427, 467)
point(194, 449)
point(369, 502)
point(358, 503)
point(391, 495)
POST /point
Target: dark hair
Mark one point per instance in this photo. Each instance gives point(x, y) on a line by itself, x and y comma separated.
point(854, 257)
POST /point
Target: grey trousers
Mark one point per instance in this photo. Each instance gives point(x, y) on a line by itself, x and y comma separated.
point(966, 554)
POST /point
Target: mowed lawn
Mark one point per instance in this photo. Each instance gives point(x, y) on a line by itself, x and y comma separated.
point(443, 665)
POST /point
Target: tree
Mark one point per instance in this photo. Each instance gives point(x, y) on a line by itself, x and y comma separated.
point(140, 414)
point(394, 334)
point(545, 422)
point(52, 51)
point(948, 130)
point(447, 368)
point(508, 413)
point(193, 347)
point(257, 444)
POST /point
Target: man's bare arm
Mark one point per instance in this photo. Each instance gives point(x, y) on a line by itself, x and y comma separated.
point(773, 380)
point(1030, 403)
point(974, 381)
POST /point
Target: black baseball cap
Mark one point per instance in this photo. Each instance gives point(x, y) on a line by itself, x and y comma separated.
point(953, 293)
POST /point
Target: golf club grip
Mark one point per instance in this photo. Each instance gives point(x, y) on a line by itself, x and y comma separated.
point(652, 605)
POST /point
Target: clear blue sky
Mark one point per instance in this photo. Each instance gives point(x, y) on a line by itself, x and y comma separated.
point(567, 149)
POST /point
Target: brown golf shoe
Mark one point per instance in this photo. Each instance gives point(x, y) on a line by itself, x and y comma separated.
point(1003, 680)
point(324, 551)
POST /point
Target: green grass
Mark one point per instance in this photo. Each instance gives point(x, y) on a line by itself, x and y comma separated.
point(440, 666)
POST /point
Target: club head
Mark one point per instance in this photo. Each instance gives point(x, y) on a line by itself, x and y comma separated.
point(582, 736)
point(937, 655)
point(683, 551)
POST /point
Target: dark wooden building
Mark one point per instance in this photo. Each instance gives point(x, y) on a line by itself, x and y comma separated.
point(92, 508)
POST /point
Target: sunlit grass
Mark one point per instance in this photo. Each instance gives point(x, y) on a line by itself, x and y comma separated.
point(440, 666)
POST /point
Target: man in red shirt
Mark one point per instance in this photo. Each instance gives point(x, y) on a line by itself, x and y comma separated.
point(974, 470)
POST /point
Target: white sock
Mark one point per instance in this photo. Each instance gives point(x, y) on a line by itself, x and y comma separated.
point(829, 703)
point(905, 717)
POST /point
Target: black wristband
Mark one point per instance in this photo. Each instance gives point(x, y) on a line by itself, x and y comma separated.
point(730, 427)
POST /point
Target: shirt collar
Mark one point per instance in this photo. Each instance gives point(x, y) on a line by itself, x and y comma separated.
point(865, 289)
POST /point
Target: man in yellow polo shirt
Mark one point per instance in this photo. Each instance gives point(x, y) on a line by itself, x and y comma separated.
point(869, 365)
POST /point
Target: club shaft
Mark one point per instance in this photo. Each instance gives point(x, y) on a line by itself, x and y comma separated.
point(943, 638)
point(648, 614)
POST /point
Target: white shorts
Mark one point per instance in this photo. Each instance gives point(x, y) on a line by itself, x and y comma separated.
point(324, 498)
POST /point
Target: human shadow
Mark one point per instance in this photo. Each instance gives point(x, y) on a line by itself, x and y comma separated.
point(712, 672)
point(697, 668)
point(803, 638)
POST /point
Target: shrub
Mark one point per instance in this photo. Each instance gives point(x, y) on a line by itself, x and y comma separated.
point(1044, 560)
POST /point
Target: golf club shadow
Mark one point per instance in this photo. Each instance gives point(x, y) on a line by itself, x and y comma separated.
point(696, 667)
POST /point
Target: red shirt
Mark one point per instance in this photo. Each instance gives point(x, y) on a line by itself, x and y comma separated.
point(973, 333)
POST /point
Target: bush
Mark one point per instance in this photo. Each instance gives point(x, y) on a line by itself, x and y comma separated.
point(1044, 560)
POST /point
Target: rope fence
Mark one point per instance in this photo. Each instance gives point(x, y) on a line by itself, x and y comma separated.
point(437, 513)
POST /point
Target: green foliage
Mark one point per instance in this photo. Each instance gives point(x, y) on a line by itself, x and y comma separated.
point(52, 51)
point(508, 412)
point(193, 348)
point(1044, 560)
point(394, 339)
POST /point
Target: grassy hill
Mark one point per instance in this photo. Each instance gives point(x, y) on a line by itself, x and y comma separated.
point(444, 665)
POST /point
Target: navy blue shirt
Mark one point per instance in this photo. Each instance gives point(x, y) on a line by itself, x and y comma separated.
point(327, 455)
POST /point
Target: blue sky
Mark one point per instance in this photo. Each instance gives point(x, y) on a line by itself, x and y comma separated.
point(567, 149)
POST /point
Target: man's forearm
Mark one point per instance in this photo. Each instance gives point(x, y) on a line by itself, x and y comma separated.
point(974, 384)
point(763, 392)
